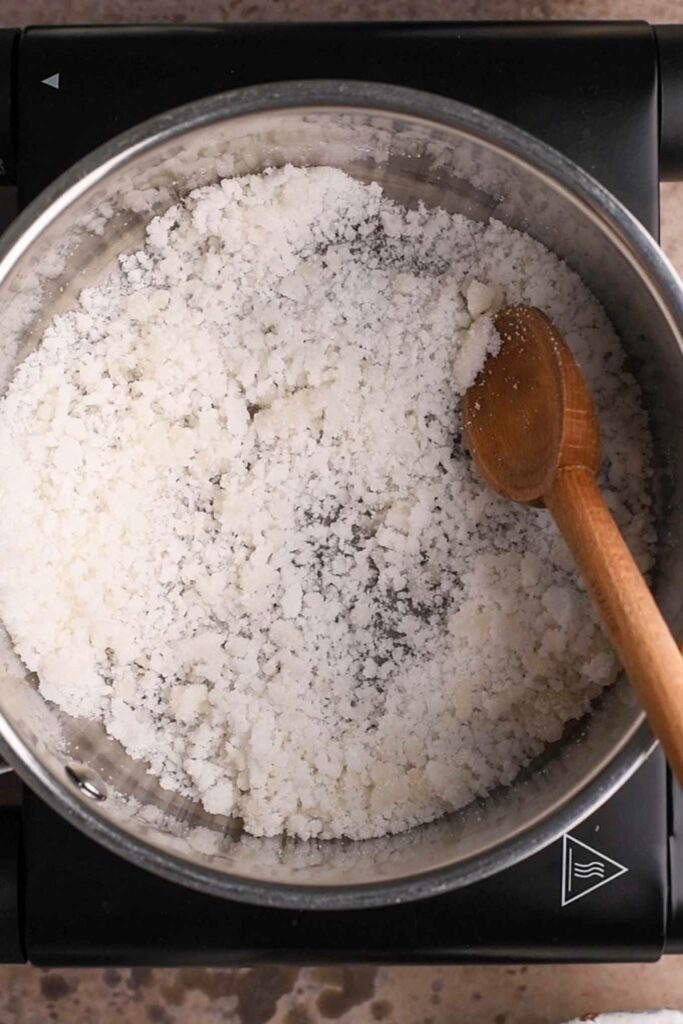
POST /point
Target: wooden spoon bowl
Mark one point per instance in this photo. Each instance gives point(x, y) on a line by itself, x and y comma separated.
point(529, 413)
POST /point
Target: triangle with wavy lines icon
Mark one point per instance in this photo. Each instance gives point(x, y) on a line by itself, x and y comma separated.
point(585, 869)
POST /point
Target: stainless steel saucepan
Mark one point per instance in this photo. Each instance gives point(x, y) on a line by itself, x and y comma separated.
point(418, 147)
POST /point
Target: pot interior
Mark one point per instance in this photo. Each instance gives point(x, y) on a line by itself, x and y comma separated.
point(462, 168)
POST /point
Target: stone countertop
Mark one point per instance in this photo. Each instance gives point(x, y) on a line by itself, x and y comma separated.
point(406, 995)
point(349, 995)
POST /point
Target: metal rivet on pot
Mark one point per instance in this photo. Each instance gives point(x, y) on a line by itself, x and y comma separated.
point(87, 781)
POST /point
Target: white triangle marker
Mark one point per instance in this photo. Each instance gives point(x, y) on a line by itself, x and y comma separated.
point(585, 869)
point(52, 81)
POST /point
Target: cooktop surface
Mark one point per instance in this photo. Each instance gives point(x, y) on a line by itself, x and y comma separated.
point(607, 890)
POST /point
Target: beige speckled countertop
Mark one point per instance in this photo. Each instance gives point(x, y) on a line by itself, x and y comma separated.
point(454, 995)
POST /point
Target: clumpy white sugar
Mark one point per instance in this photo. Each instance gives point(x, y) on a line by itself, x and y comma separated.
point(246, 536)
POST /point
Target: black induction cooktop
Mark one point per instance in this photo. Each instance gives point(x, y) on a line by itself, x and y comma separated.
point(610, 96)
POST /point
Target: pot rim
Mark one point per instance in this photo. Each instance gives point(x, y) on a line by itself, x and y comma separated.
point(579, 187)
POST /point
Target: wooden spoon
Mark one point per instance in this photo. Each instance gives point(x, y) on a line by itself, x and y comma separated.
point(534, 435)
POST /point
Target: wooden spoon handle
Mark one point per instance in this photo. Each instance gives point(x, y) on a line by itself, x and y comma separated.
point(641, 637)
